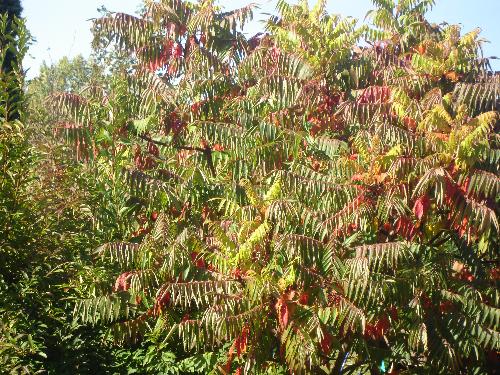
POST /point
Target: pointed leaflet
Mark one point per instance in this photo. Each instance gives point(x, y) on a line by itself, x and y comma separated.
point(421, 206)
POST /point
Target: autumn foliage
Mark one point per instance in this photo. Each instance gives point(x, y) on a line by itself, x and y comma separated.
point(319, 198)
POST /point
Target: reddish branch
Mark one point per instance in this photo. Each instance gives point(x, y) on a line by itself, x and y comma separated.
point(207, 150)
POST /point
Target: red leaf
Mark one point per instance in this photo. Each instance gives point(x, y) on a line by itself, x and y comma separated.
point(283, 312)
point(351, 228)
point(426, 302)
point(284, 315)
point(466, 275)
point(304, 298)
point(198, 260)
point(410, 123)
point(405, 228)
point(387, 227)
point(162, 300)
point(122, 283)
point(218, 147)
point(421, 206)
point(376, 331)
point(242, 341)
point(177, 50)
point(375, 94)
point(393, 312)
point(153, 149)
point(450, 191)
point(446, 306)
point(326, 343)
point(462, 227)
point(371, 332)
point(495, 274)
point(203, 39)
point(357, 177)
point(383, 324)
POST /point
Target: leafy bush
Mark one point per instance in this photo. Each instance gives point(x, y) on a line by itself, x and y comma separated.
point(45, 242)
point(321, 198)
point(323, 206)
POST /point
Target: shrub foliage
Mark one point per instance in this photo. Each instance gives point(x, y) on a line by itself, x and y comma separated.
point(318, 198)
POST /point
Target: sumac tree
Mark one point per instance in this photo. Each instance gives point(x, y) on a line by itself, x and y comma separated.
point(328, 192)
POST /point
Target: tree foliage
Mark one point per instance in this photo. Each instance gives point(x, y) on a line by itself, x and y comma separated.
point(13, 48)
point(318, 198)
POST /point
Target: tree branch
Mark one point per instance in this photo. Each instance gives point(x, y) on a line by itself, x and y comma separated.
point(207, 151)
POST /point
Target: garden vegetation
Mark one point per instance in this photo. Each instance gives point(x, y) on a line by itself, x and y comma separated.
point(319, 198)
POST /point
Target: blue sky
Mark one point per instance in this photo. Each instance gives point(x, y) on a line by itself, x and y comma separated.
point(61, 27)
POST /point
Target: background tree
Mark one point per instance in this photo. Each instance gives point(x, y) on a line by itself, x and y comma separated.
point(45, 240)
point(11, 63)
point(66, 75)
point(13, 9)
